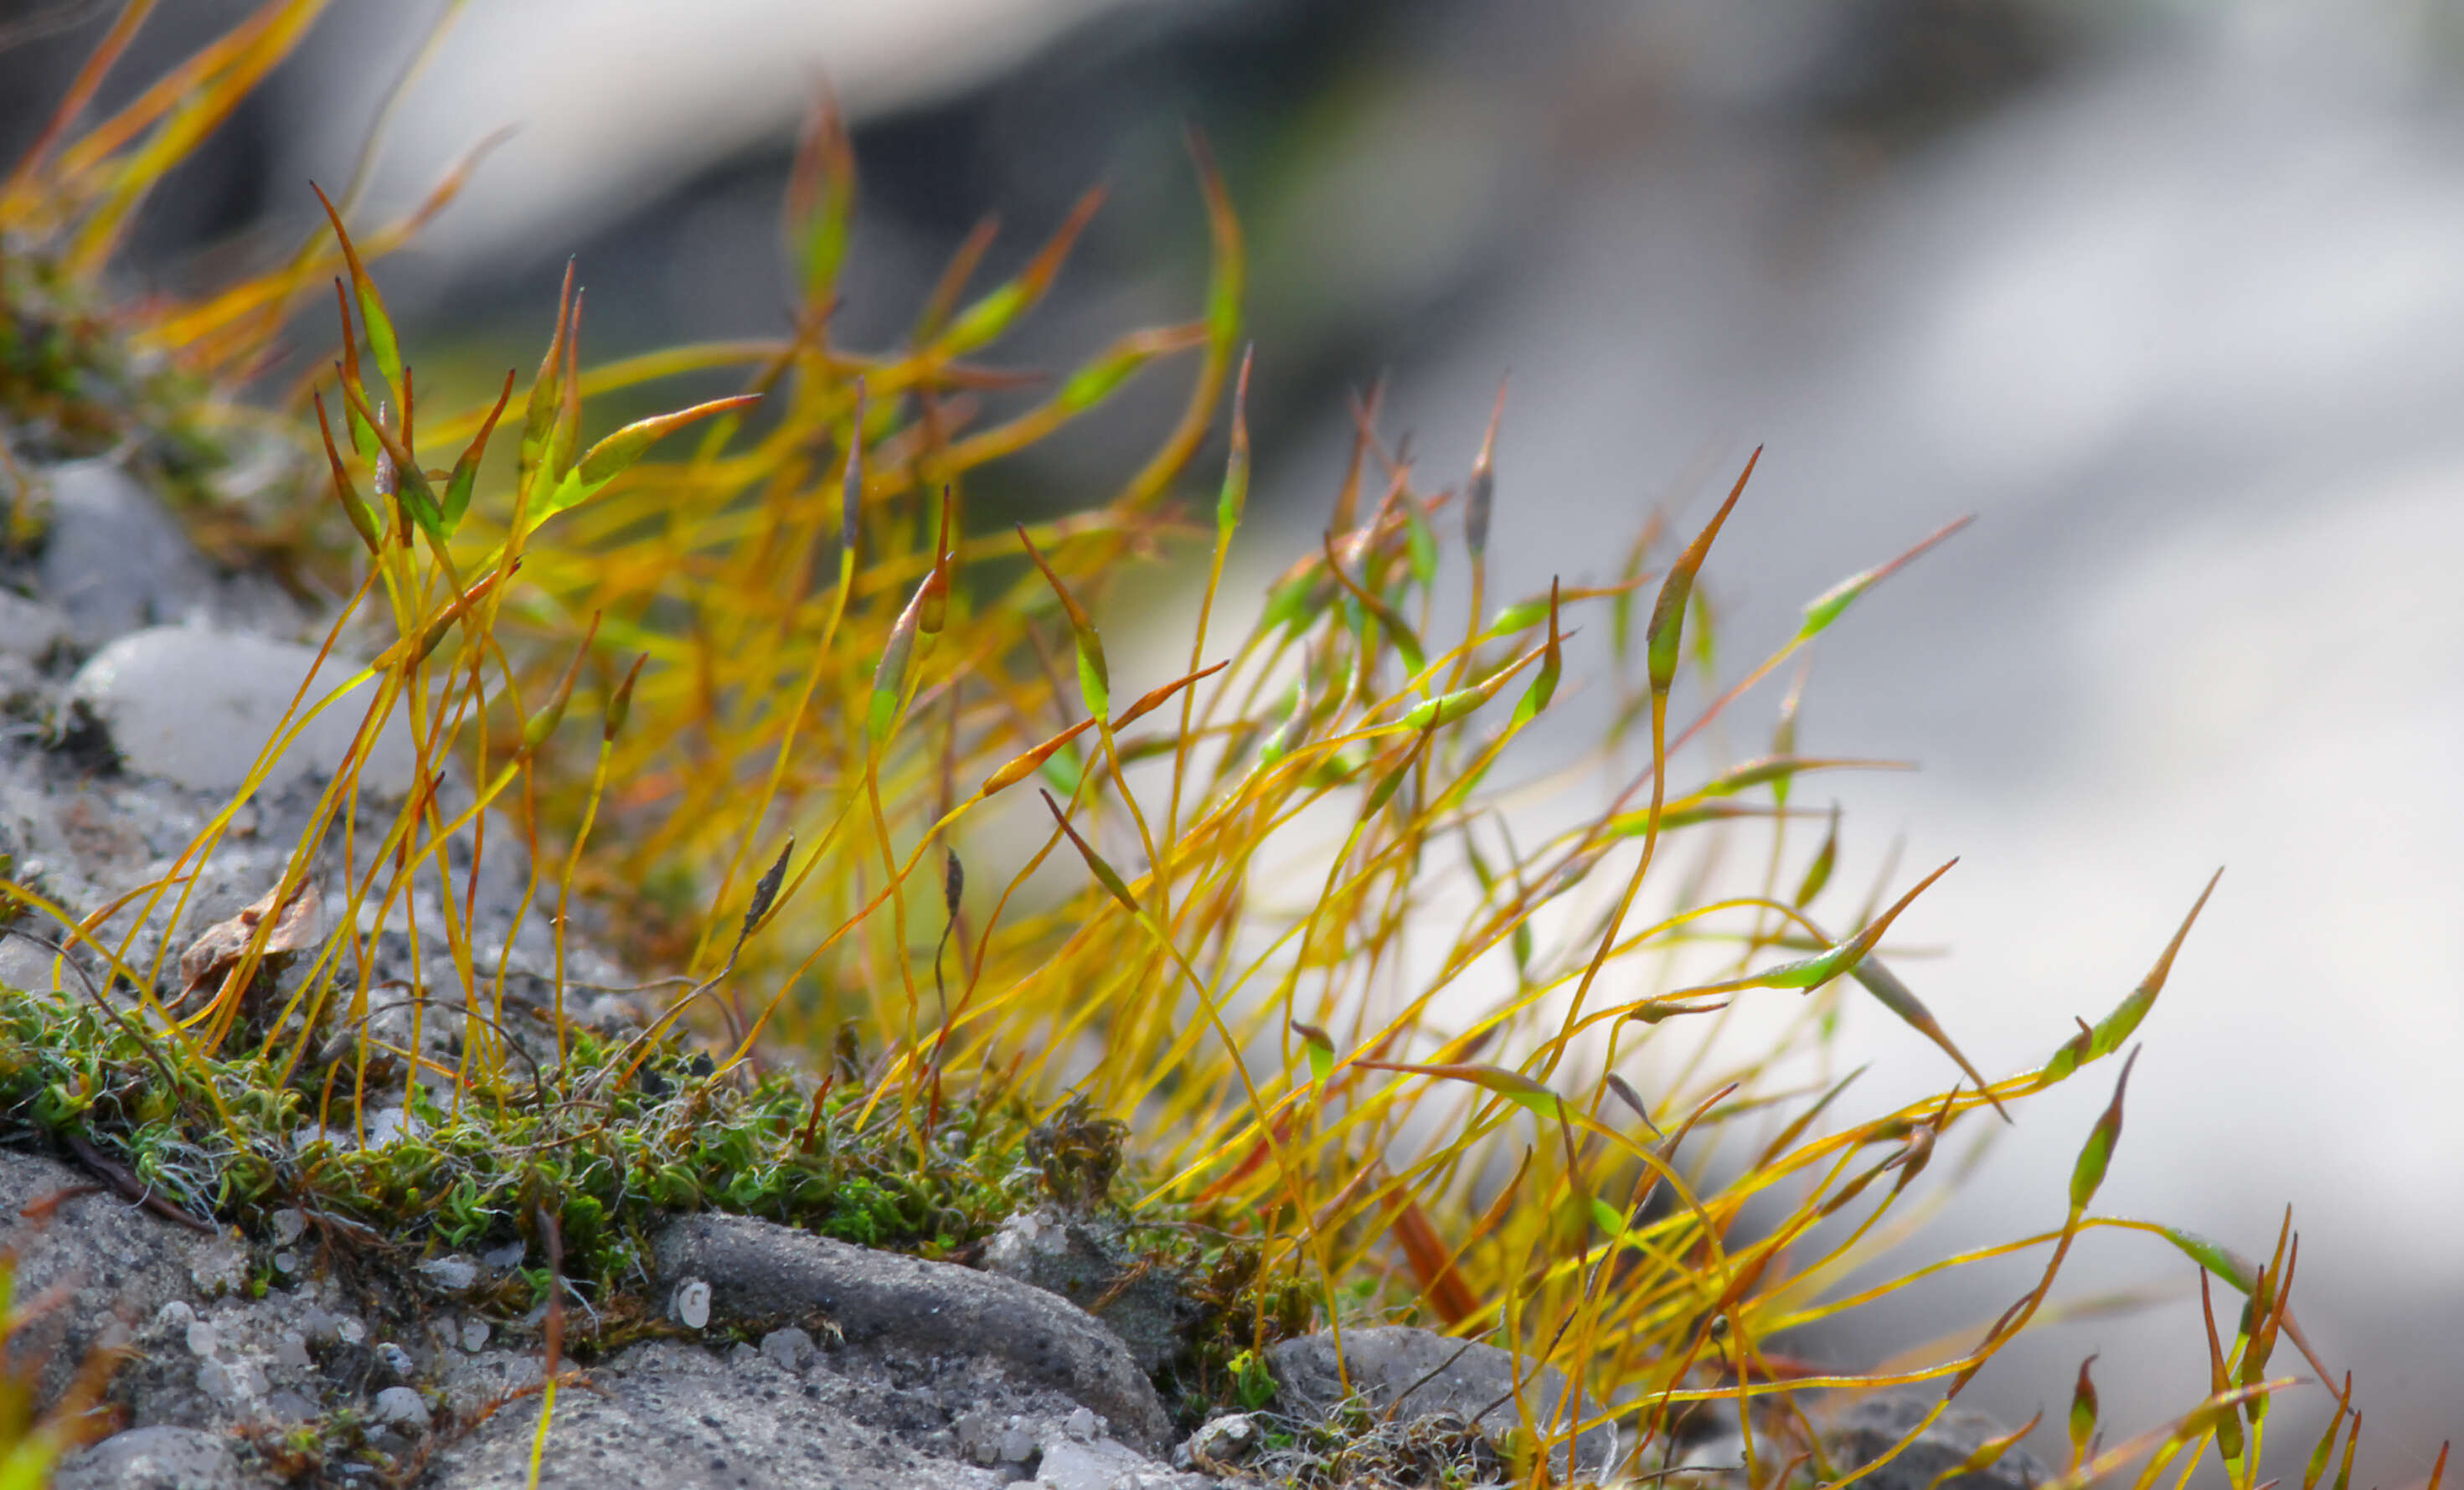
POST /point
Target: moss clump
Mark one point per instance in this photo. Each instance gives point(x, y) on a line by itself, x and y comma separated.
point(228, 1137)
point(71, 385)
point(1357, 1449)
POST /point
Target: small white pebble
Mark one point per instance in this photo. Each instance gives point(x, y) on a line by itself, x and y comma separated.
point(397, 1360)
point(349, 1331)
point(692, 1304)
point(1080, 1425)
point(789, 1348)
point(293, 1353)
point(201, 1340)
point(505, 1259)
point(401, 1407)
point(453, 1273)
point(474, 1335)
point(286, 1263)
point(288, 1224)
point(175, 1315)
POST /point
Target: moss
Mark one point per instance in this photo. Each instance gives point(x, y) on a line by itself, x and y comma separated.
point(71, 385)
point(230, 1139)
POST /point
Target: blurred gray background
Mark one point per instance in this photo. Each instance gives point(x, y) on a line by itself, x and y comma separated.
point(2171, 295)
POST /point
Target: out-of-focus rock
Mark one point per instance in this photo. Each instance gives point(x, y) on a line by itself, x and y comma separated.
point(196, 706)
point(113, 558)
point(31, 629)
point(161, 1458)
point(1869, 1430)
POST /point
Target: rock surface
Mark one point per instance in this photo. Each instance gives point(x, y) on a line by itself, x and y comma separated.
point(194, 707)
point(113, 1264)
point(864, 1420)
point(1082, 1261)
point(1869, 1429)
point(766, 1277)
point(157, 1458)
point(1424, 1374)
point(114, 561)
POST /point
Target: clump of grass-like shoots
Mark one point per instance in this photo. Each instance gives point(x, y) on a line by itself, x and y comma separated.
point(1431, 1038)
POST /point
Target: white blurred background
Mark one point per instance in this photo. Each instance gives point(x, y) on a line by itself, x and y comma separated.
point(2171, 295)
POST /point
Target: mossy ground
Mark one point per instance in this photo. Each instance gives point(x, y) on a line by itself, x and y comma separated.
point(230, 1140)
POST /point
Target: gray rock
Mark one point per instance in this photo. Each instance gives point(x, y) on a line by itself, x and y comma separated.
point(787, 1348)
point(114, 559)
point(767, 1277)
point(453, 1273)
point(219, 1265)
point(31, 629)
point(121, 1265)
point(1871, 1427)
point(403, 1407)
point(287, 1406)
point(196, 706)
point(237, 1387)
point(1080, 1261)
point(1102, 1465)
point(1427, 1374)
point(1229, 1439)
point(155, 1458)
point(709, 1427)
point(996, 1440)
point(470, 1383)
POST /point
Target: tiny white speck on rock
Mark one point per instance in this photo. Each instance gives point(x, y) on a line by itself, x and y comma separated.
point(692, 1304)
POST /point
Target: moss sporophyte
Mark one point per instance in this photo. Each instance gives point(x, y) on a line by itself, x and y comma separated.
point(1298, 969)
